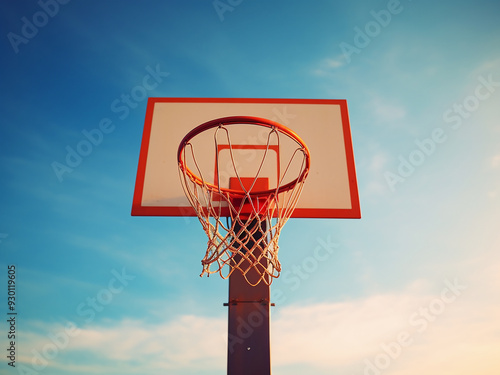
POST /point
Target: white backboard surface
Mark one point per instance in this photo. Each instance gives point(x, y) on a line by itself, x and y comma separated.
point(330, 190)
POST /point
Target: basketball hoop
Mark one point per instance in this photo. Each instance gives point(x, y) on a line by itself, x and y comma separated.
point(244, 200)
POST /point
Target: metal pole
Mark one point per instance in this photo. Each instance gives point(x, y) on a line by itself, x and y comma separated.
point(249, 347)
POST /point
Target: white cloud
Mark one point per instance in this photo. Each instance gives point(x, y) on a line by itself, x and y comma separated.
point(443, 337)
point(385, 111)
point(373, 168)
point(335, 335)
point(378, 162)
point(495, 161)
point(334, 63)
point(187, 340)
point(328, 65)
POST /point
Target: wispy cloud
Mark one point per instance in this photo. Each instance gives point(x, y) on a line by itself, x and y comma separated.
point(328, 65)
point(372, 168)
point(386, 111)
point(331, 336)
point(495, 161)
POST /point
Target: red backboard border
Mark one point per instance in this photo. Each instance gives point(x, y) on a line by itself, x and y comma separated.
point(349, 213)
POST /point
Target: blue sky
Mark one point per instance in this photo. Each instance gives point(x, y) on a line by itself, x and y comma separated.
point(418, 272)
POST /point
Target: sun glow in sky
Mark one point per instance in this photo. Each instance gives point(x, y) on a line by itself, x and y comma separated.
point(411, 288)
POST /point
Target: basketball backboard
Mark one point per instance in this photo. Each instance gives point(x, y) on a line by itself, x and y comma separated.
point(323, 124)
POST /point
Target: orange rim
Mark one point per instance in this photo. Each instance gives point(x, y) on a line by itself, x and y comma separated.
point(249, 120)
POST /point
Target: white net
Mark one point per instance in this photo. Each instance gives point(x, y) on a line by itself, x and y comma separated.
point(243, 221)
